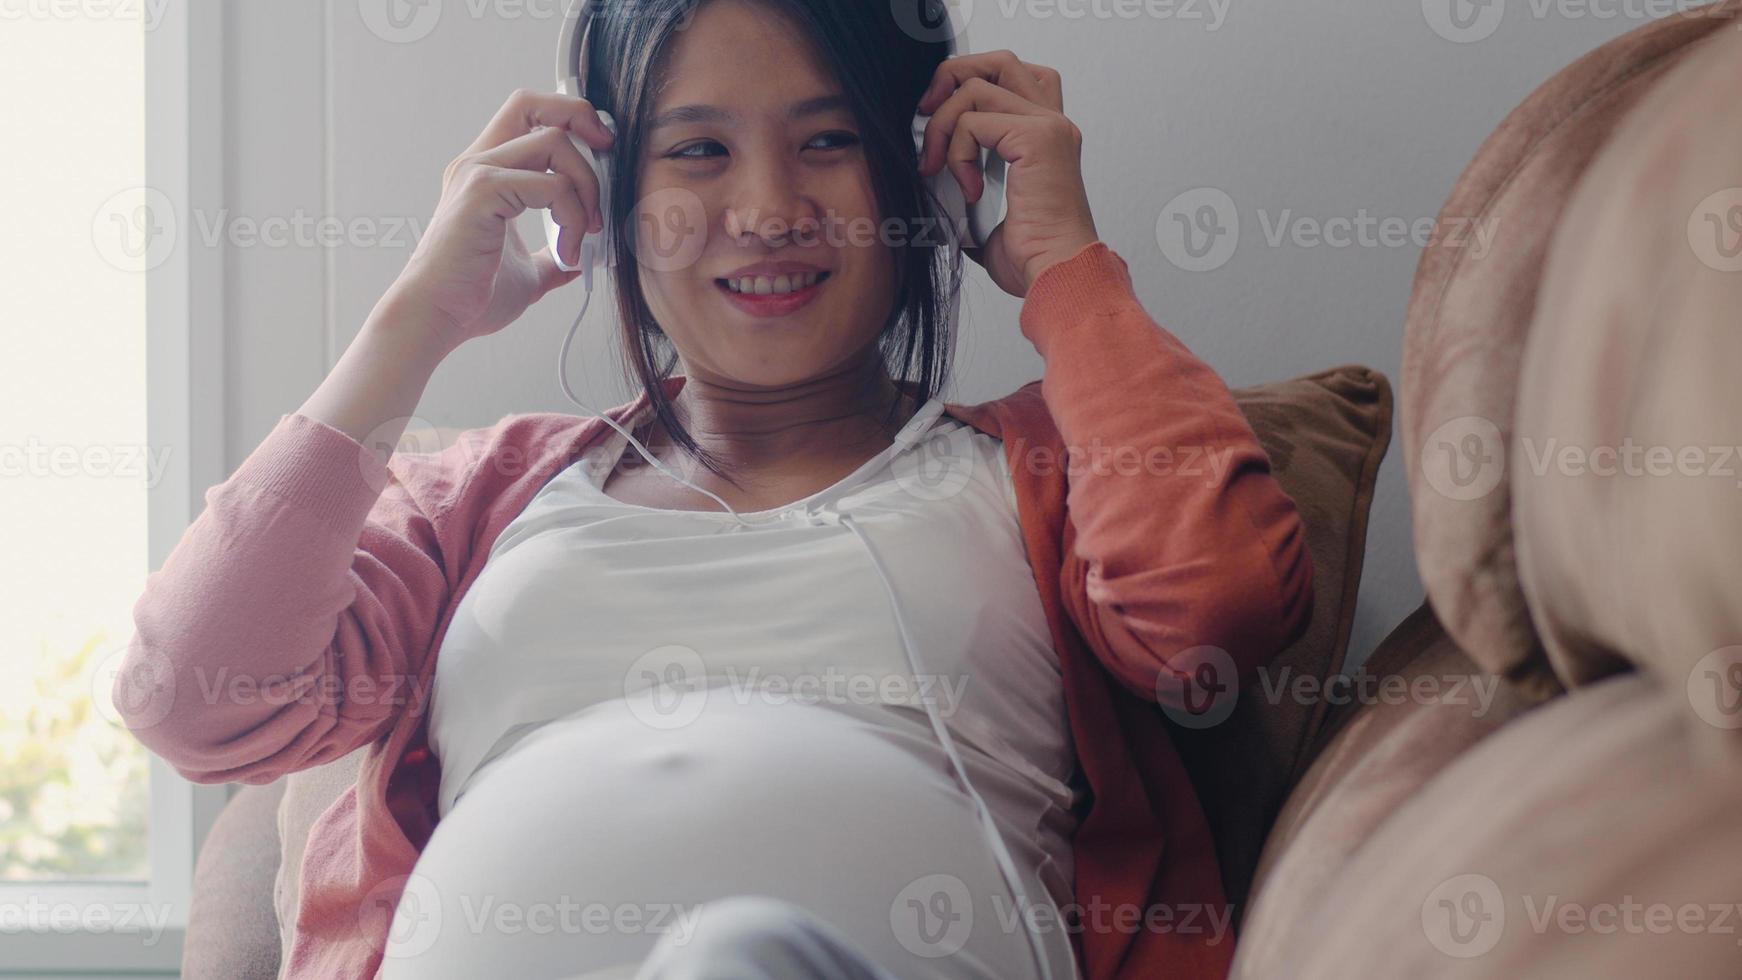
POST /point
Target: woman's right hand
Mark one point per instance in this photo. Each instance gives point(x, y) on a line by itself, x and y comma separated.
point(471, 275)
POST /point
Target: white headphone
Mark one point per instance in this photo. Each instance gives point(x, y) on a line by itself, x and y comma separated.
point(978, 219)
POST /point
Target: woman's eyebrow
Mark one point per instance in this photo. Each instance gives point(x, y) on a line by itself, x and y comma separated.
point(710, 113)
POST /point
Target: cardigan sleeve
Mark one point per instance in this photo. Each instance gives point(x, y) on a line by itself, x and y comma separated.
point(287, 626)
point(1181, 548)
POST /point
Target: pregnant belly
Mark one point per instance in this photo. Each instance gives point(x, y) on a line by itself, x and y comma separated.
point(597, 834)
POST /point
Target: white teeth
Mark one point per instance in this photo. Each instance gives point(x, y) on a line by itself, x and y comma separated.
point(773, 286)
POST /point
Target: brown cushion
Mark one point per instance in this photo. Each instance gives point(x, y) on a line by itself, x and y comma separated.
point(1422, 703)
point(1588, 802)
point(1636, 347)
point(1325, 435)
point(1467, 323)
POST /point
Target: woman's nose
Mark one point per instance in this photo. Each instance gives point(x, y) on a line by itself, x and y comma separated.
point(771, 205)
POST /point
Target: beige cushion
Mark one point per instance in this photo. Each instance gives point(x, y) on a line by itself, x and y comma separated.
point(1638, 344)
point(1580, 807)
point(232, 933)
point(1425, 704)
point(1468, 320)
point(1325, 434)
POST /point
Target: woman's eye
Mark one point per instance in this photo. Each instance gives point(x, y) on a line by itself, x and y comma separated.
point(687, 154)
point(841, 140)
point(704, 149)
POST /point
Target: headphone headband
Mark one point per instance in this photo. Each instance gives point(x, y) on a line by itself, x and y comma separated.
point(572, 47)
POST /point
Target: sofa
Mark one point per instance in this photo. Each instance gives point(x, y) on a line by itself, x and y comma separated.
point(1538, 773)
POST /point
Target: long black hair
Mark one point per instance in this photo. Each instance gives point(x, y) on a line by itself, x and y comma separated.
point(883, 67)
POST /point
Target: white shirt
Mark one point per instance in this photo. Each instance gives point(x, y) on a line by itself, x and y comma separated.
point(640, 655)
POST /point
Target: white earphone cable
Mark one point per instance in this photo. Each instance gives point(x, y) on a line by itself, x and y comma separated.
point(562, 378)
point(1000, 851)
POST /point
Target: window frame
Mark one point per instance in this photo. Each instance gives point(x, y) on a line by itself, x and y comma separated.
point(184, 102)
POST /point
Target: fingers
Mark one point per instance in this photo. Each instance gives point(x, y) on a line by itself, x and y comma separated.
point(976, 95)
point(505, 192)
point(1036, 83)
point(532, 131)
point(554, 150)
point(996, 81)
point(972, 131)
point(1051, 83)
point(528, 109)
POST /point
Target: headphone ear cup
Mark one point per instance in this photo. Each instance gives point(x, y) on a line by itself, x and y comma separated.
point(947, 190)
point(986, 214)
point(977, 220)
point(603, 247)
point(596, 250)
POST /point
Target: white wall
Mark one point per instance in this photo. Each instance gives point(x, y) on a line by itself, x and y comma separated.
point(1321, 108)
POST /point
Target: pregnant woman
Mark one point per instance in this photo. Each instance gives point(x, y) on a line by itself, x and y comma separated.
point(892, 715)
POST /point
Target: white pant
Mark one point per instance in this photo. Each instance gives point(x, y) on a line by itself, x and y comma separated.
point(752, 937)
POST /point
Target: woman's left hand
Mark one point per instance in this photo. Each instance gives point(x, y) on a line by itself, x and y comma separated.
point(1015, 109)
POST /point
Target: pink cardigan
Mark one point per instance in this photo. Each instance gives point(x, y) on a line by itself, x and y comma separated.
point(299, 617)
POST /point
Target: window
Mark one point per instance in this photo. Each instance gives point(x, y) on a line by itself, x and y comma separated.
point(103, 431)
point(72, 436)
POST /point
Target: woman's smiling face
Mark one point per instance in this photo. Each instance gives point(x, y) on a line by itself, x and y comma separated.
point(751, 140)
